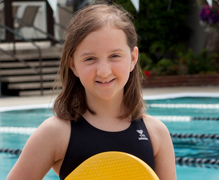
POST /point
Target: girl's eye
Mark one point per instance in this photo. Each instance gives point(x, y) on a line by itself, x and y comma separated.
point(115, 56)
point(89, 59)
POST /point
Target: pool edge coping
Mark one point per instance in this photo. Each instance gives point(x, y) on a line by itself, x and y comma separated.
point(145, 97)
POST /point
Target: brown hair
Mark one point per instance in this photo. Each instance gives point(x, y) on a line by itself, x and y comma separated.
point(71, 102)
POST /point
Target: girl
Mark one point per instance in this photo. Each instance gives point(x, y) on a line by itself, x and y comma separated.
point(100, 107)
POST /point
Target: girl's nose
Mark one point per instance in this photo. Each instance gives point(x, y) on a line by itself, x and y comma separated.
point(104, 69)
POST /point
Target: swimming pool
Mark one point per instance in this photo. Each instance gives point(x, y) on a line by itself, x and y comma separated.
point(193, 123)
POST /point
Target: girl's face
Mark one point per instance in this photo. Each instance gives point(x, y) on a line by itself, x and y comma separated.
point(103, 62)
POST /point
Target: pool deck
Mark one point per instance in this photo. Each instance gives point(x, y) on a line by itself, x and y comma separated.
point(148, 93)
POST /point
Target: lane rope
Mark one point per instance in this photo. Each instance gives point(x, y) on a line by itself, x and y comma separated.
point(206, 118)
point(179, 160)
point(200, 162)
point(11, 151)
point(184, 118)
point(192, 135)
point(195, 106)
point(40, 106)
point(17, 130)
point(180, 95)
point(174, 118)
point(30, 130)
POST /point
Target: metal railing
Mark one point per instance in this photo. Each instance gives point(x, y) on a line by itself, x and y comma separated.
point(37, 70)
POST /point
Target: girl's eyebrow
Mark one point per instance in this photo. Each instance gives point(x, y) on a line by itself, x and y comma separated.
point(86, 54)
point(116, 50)
point(90, 53)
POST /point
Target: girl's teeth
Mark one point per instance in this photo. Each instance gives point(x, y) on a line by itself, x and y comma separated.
point(106, 82)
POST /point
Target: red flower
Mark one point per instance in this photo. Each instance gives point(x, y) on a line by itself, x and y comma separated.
point(207, 11)
point(147, 73)
point(175, 67)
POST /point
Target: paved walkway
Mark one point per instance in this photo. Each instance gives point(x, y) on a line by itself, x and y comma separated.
point(147, 92)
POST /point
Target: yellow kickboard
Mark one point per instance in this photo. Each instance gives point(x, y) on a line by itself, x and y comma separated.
point(113, 165)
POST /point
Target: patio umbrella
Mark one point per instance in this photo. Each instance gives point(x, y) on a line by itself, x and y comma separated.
point(53, 4)
point(136, 4)
point(210, 2)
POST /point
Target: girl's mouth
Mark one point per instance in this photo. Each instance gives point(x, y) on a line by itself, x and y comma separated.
point(105, 82)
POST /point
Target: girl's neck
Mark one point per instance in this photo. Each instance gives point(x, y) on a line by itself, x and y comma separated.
point(106, 114)
point(107, 120)
point(110, 108)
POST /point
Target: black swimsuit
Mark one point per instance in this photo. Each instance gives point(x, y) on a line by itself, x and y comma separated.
point(86, 141)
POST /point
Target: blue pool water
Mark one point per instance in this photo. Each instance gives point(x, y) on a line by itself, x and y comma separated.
point(184, 147)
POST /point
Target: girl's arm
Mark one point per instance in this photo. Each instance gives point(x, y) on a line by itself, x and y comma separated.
point(39, 153)
point(164, 156)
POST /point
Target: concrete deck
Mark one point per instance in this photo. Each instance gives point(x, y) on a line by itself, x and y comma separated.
point(148, 93)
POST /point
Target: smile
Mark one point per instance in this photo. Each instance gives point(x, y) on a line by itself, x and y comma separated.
point(105, 81)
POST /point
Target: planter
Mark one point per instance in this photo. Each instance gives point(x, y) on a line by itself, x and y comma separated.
point(181, 80)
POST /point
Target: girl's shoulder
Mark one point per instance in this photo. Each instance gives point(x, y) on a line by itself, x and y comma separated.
point(164, 157)
point(52, 134)
point(154, 124)
point(46, 146)
point(55, 132)
point(157, 130)
point(53, 127)
point(54, 123)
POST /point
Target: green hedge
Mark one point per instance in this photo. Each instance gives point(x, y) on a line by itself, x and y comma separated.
point(163, 34)
point(160, 29)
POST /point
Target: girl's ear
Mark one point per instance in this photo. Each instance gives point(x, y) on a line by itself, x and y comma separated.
point(134, 55)
point(72, 66)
